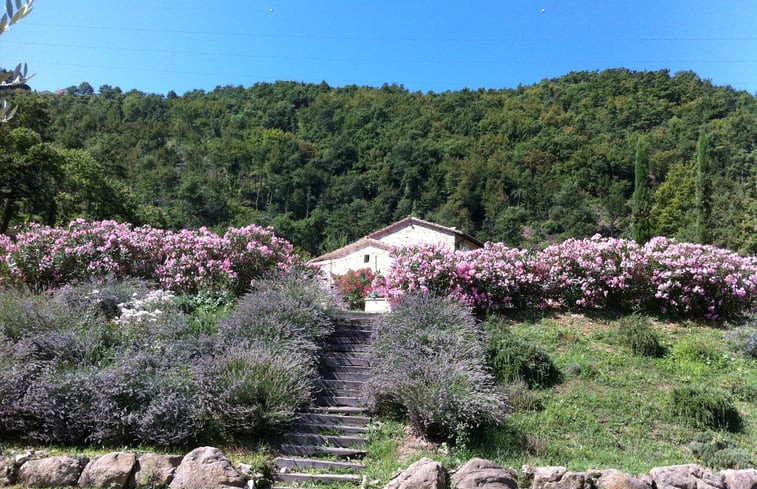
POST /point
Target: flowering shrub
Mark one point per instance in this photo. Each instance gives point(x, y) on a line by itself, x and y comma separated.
point(354, 286)
point(663, 276)
point(184, 261)
point(492, 277)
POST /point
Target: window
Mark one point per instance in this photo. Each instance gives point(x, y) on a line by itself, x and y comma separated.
point(366, 258)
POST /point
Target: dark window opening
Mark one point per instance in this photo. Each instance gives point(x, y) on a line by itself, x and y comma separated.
point(366, 258)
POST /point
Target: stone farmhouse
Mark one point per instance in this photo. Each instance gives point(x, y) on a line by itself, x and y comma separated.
point(372, 251)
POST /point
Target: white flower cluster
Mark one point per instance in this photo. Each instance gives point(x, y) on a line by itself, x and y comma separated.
point(144, 310)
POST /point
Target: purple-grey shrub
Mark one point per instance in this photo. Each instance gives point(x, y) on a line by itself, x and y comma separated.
point(256, 389)
point(428, 356)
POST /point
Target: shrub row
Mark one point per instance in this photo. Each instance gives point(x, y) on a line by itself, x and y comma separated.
point(72, 372)
point(185, 261)
point(663, 276)
point(429, 359)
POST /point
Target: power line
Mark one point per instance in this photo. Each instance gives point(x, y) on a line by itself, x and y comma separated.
point(382, 38)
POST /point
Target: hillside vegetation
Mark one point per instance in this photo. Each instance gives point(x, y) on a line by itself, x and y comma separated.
point(325, 165)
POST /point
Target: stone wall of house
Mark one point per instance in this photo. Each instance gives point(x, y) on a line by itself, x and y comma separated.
point(378, 261)
point(415, 234)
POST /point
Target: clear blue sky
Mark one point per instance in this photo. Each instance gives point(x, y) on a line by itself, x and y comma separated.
point(180, 45)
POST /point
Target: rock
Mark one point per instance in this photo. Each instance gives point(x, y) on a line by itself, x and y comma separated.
point(557, 478)
point(423, 474)
point(615, 479)
point(58, 471)
point(6, 469)
point(110, 471)
point(22, 458)
point(688, 476)
point(155, 470)
point(740, 479)
point(206, 468)
point(478, 472)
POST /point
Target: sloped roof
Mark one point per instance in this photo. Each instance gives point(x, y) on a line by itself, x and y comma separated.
point(409, 220)
point(373, 238)
point(351, 248)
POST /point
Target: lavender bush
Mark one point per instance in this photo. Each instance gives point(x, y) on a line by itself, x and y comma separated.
point(429, 357)
point(257, 388)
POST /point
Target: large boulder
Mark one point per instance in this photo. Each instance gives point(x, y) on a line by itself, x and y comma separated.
point(154, 470)
point(206, 468)
point(740, 479)
point(689, 476)
point(110, 471)
point(480, 473)
point(423, 474)
point(615, 479)
point(58, 471)
point(557, 478)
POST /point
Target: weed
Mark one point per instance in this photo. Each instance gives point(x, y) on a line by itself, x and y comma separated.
point(705, 407)
point(635, 333)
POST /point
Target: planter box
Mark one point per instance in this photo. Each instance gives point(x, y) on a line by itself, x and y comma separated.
point(376, 304)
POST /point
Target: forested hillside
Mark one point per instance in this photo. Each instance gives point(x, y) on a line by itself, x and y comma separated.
point(325, 165)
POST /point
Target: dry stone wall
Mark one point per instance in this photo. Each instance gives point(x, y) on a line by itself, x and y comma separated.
point(208, 468)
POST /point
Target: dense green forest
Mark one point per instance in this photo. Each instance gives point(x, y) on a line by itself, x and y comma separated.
point(325, 165)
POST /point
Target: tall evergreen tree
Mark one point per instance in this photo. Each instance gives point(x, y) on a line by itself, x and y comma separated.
point(641, 203)
point(703, 190)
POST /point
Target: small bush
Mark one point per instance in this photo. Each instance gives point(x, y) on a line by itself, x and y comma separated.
point(147, 396)
point(705, 407)
point(511, 359)
point(256, 389)
point(521, 398)
point(102, 297)
point(635, 332)
point(718, 452)
point(744, 339)
point(23, 313)
point(278, 314)
point(697, 351)
point(428, 356)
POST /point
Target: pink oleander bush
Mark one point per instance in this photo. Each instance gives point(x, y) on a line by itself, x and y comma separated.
point(184, 261)
point(490, 278)
point(663, 276)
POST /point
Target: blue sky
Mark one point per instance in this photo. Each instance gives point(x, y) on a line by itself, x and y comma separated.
point(182, 45)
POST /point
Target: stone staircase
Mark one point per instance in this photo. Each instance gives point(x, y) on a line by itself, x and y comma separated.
point(327, 442)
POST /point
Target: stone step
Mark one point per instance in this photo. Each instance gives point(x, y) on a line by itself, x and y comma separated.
point(359, 347)
point(338, 393)
point(331, 384)
point(354, 374)
point(320, 428)
point(314, 463)
point(338, 409)
point(319, 478)
point(353, 401)
point(345, 359)
point(292, 449)
point(334, 419)
point(314, 439)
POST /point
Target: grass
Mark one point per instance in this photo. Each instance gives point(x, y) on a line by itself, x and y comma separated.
point(612, 409)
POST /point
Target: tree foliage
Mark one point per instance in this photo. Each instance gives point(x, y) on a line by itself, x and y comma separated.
point(527, 166)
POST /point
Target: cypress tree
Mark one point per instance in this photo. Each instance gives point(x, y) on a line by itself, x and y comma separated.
point(703, 190)
point(641, 202)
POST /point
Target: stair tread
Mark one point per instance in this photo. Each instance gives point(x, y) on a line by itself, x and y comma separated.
point(333, 419)
point(305, 477)
point(295, 449)
point(321, 427)
point(316, 463)
point(338, 409)
point(314, 439)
